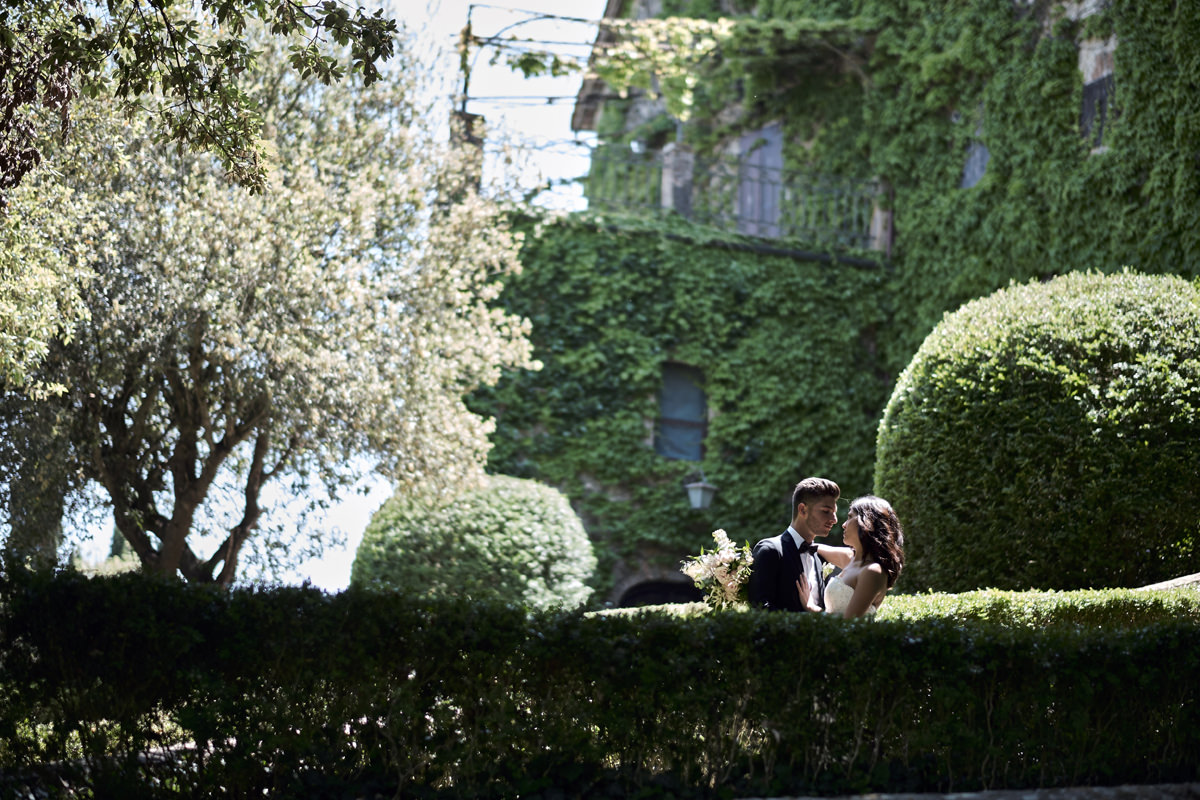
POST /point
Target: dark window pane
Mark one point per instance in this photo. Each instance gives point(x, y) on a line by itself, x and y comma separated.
point(1096, 99)
point(977, 161)
point(679, 441)
point(683, 414)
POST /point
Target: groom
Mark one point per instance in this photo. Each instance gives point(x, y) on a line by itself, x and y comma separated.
point(780, 560)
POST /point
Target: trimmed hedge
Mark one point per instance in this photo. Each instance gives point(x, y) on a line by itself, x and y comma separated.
point(1045, 436)
point(294, 693)
point(1111, 609)
point(510, 541)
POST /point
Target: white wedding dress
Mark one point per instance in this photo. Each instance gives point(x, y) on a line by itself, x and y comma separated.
point(837, 597)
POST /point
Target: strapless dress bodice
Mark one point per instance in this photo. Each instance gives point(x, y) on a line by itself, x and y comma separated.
point(837, 597)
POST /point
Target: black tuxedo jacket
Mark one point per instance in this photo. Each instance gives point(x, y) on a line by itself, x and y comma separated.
point(778, 564)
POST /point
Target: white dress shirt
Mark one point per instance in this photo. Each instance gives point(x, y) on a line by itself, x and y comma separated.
point(809, 564)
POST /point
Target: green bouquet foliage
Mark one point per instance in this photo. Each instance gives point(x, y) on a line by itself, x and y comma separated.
point(1045, 437)
point(510, 540)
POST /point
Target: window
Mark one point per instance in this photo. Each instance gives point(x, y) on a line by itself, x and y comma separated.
point(978, 154)
point(683, 414)
point(761, 181)
point(977, 161)
point(1096, 97)
point(1097, 60)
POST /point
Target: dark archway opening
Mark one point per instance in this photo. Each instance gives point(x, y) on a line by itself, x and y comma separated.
point(657, 593)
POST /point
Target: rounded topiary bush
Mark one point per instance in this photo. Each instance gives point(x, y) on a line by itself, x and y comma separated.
point(1048, 436)
point(510, 540)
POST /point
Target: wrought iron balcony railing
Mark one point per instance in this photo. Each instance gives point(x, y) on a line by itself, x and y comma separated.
point(738, 196)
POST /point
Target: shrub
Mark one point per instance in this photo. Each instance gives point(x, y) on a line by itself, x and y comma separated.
point(1045, 436)
point(511, 539)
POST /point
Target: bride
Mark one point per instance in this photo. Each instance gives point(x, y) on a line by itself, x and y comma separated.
point(870, 562)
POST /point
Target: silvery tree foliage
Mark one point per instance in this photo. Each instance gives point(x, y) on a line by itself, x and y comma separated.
point(233, 340)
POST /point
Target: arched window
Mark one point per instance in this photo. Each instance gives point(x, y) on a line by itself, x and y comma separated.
point(683, 413)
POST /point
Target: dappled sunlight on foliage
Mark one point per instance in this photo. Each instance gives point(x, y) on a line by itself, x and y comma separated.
point(311, 332)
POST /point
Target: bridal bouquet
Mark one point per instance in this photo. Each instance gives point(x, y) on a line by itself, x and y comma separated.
point(723, 573)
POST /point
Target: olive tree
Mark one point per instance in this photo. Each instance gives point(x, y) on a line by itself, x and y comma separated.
point(328, 325)
point(182, 59)
point(179, 63)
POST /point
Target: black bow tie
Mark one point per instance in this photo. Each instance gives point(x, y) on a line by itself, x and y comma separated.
point(807, 547)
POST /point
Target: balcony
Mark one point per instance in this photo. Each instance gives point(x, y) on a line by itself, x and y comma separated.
point(741, 196)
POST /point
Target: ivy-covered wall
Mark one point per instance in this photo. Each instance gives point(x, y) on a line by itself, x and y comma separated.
point(799, 357)
point(901, 90)
point(787, 348)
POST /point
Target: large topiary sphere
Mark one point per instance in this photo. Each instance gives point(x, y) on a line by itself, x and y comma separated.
point(509, 540)
point(1048, 436)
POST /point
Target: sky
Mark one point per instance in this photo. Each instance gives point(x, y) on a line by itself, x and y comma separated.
point(532, 115)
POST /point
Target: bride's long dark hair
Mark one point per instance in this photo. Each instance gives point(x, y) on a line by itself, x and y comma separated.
point(880, 533)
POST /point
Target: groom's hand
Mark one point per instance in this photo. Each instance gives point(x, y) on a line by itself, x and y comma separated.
point(805, 599)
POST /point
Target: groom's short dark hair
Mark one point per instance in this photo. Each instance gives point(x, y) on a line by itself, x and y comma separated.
point(811, 489)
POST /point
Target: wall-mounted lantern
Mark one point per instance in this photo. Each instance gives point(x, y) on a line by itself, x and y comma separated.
point(700, 493)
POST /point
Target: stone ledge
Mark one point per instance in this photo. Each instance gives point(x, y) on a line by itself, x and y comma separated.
point(1161, 791)
point(1186, 581)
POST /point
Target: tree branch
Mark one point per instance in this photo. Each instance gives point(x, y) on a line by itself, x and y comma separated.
point(231, 547)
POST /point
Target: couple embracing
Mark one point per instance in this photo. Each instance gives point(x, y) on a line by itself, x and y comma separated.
point(787, 574)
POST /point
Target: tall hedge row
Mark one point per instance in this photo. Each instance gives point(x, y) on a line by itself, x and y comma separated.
point(294, 693)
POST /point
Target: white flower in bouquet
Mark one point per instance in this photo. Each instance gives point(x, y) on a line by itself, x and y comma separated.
point(722, 574)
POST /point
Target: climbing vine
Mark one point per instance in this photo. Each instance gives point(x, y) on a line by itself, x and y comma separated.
point(799, 356)
point(786, 346)
point(901, 90)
